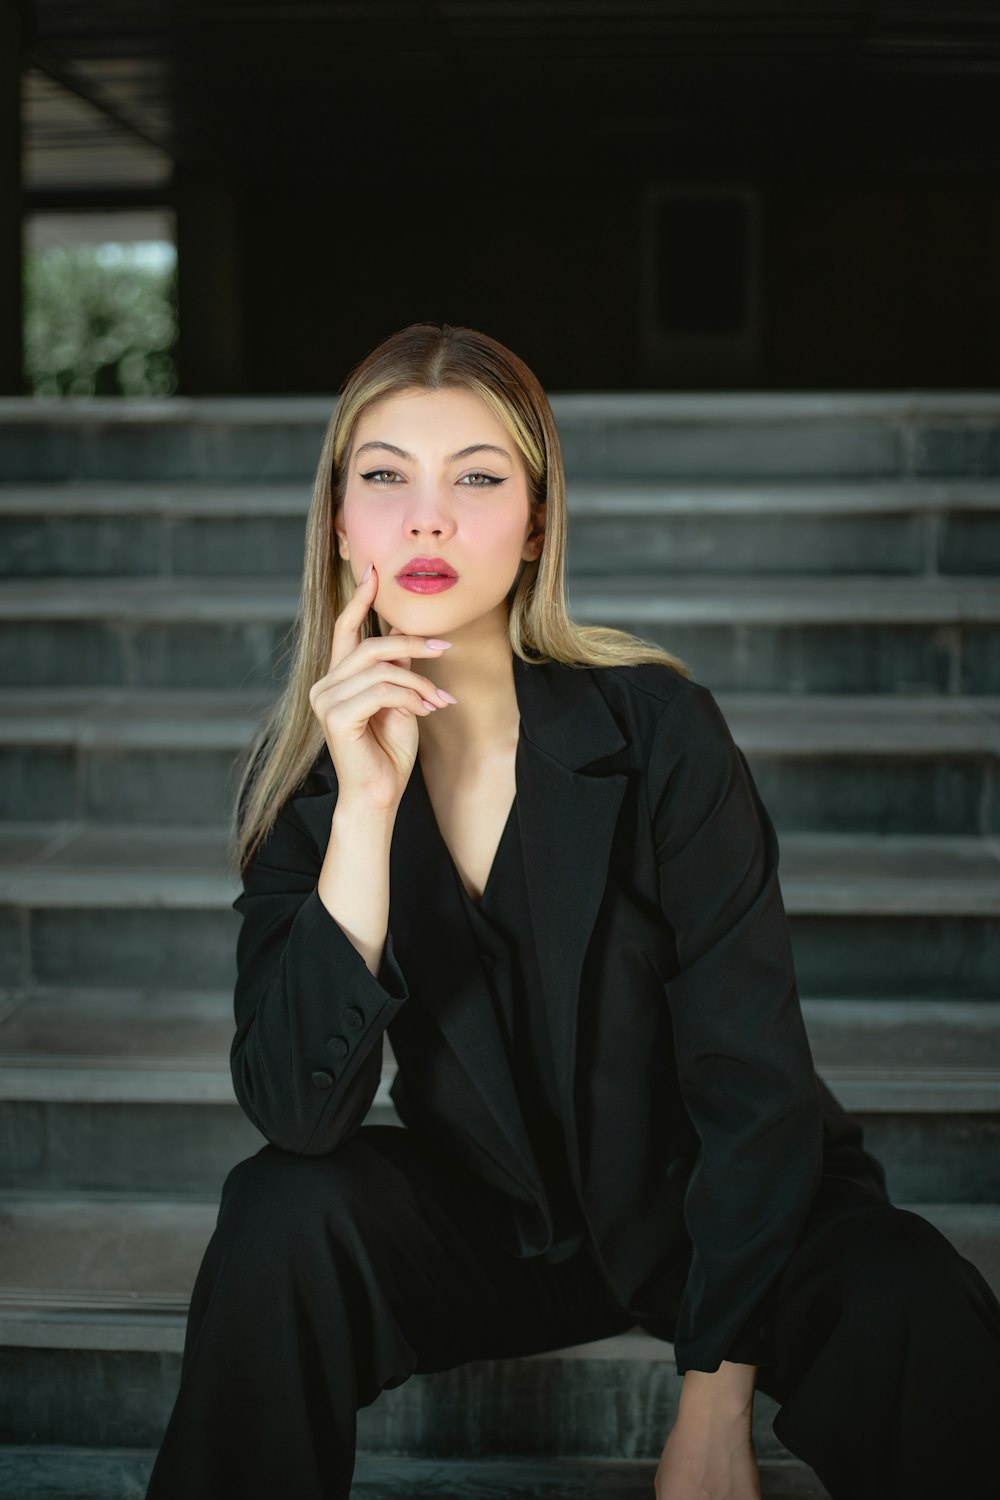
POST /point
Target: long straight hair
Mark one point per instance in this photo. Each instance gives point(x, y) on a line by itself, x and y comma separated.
point(424, 356)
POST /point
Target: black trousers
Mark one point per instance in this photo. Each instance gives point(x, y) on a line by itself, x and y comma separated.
point(330, 1278)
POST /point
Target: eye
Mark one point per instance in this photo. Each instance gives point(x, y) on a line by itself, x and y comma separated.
point(491, 480)
point(371, 479)
point(374, 476)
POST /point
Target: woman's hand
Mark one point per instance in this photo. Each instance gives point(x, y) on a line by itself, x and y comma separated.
point(368, 703)
point(709, 1453)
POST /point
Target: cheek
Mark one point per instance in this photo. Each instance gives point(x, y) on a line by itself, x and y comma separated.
point(497, 537)
point(367, 529)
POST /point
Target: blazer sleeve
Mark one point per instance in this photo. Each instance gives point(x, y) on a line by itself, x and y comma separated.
point(743, 1058)
point(306, 1058)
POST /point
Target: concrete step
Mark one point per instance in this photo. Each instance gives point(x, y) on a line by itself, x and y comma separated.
point(643, 435)
point(111, 1090)
point(912, 526)
point(32, 1473)
point(172, 1046)
point(797, 634)
point(892, 915)
point(887, 764)
point(105, 1090)
point(92, 1315)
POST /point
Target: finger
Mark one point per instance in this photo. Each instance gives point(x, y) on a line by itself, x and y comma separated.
point(351, 617)
point(402, 661)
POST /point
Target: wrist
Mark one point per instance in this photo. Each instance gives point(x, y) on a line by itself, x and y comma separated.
point(362, 816)
point(725, 1393)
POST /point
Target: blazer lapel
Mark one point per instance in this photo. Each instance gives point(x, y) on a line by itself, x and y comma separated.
point(568, 817)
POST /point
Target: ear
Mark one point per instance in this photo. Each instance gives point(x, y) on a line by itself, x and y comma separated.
point(533, 545)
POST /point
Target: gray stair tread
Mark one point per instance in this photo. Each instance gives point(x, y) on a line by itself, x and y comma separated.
point(33, 1473)
point(100, 1253)
point(822, 498)
point(916, 1056)
point(93, 1046)
point(164, 411)
point(151, 1047)
point(620, 498)
point(859, 599)
point(84, 865)
point(855, 600)
point(821, 724)
point(150, 600)
point(96, 1024)
point(189, 498)
point(185, 411)
point(889, 874)
point(167, 719)
point(914, 725)
point(103, 1270)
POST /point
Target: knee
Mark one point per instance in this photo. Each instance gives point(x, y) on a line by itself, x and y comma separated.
point(276, 1204)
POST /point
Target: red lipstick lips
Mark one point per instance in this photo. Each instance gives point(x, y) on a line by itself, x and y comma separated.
point(427, 565)
point(427, 575)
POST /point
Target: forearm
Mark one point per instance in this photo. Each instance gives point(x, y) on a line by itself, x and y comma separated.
point(316, 982)
point(353, 883)
point(303, 985)
point(709, 1450)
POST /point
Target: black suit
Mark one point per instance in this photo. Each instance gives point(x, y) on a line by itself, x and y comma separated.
point(731, 1203)
point(698, 1129)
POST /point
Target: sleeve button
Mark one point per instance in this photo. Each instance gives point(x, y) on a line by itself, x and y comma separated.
point(354, 1017)
point(322, 1079)
point(338, 1046)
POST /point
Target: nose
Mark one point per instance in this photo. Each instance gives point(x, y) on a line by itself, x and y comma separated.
point(429, 514)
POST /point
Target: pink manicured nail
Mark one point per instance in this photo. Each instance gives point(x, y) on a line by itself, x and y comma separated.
point(446, 696)
point(428, 704)
point(436, 644)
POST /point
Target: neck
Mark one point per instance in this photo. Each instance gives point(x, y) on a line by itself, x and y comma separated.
point(486, 718)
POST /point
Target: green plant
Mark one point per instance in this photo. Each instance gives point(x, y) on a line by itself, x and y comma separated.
point(99, 320)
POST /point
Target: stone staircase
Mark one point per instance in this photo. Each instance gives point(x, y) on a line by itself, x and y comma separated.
point(828, 565)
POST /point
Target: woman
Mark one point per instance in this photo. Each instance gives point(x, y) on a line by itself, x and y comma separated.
point(531, 852)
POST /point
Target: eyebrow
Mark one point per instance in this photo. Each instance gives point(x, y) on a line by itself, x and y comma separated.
point(452, 457)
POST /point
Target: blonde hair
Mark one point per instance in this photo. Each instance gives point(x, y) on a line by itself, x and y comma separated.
point(429, 357)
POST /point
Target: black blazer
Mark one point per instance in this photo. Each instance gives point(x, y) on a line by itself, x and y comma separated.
point(697, 1127)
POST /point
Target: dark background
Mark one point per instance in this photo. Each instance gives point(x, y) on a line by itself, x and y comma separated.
point(632, 195)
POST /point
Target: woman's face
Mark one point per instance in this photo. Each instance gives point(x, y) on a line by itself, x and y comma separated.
point(425, 479)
